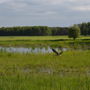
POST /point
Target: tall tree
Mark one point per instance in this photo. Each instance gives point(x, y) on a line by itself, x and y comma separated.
point(74, 32)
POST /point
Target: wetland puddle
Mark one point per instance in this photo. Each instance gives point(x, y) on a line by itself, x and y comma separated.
point(29, 50)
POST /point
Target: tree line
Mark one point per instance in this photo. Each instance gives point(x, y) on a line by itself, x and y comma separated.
point(42, 30)
point(32, 31)
point(85, 28)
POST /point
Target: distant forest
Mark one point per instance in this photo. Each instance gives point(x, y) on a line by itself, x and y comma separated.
point(41, 30)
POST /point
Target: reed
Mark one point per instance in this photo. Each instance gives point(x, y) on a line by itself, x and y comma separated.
point(45, 71)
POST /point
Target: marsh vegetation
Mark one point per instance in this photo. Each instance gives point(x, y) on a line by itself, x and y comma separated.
point(45, 71)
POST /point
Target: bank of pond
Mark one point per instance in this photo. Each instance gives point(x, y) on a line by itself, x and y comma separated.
point(39, 68)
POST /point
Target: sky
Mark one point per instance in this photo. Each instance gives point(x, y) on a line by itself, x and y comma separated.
point(44, 12)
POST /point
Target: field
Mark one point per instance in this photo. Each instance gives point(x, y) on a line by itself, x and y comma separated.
point(38, 37)
point(45, 71)
point(43, 41)
point(19, 71)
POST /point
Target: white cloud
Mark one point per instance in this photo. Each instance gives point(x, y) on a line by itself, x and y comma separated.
point(53, 1)
point(17, 6)
point(82, 8)
point(43, 9)
point(4, 1)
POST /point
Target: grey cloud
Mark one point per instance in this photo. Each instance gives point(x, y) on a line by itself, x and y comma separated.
point(43, 12)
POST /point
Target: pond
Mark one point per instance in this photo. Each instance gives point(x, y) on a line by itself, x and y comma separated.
point(29, 50)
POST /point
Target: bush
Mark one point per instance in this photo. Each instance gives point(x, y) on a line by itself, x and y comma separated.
point(74, 32)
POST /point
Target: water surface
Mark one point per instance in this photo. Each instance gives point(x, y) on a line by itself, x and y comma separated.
point(29, 50)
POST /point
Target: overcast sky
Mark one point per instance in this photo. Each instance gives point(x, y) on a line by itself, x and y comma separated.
point(44, 12)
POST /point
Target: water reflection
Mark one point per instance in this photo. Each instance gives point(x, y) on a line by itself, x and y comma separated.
point(28, 50)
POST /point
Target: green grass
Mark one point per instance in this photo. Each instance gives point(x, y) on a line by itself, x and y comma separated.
point(70, 60)
point(45, 71)
point(29, 41)
point(2, 38)
point(43, 41)
point(71, 71)
point(32, 37)
point(44, 82)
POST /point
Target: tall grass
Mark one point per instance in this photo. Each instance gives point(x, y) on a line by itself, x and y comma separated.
point(69, 60)
point(44, 82)
point(71, 71)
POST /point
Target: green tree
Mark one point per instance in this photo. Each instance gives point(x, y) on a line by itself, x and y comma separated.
point(74, 32)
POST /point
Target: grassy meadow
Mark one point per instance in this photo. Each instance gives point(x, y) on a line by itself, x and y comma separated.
point(70, 71)
point(43, 41)
point(28, 71)
point(4, 38)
